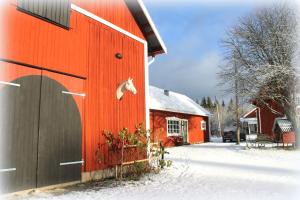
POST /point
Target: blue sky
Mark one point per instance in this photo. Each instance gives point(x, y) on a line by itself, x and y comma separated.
point(192, 34)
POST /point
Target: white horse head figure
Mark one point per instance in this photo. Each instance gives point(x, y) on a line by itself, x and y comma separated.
point(126, 85)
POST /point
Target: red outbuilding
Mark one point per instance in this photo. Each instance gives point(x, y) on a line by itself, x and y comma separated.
point(266, 118)
point(176, 118)
point(61, 65)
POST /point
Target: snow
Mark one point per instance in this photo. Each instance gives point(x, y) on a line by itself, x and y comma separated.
point(216, 139)
point(175, 102)
point(203, 171)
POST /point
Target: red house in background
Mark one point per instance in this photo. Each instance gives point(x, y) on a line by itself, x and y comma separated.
point(266, 118)
point(60, 65)
point(174, 115)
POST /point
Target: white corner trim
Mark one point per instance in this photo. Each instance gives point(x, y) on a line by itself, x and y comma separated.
point(147, 97)
point(259, 120)
point(107, 23)
point(73, 93)
point(152, 25)
point(10, 84)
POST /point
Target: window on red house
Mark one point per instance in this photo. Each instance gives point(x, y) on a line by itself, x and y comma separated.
point(173, 127)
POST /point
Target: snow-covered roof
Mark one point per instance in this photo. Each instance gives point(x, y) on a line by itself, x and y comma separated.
point(174, 102)
point(284, 124)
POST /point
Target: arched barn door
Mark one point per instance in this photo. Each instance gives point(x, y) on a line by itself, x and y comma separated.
point(40, 130)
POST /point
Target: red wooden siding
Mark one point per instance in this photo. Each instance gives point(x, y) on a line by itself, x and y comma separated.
point(86, 50)
point(105, 74)
point(267, 118)
point(10, 72)
point(114, 11)
point(36, 42)
point(158, 122)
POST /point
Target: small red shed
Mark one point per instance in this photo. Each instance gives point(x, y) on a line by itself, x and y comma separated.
point(61, 63)
point(174, 115)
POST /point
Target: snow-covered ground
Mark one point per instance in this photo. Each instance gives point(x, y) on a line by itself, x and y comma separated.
point(204, 171)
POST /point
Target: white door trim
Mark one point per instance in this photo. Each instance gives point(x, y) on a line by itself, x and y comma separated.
point(187, 129)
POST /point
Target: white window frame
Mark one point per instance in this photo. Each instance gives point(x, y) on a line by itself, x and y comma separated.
point(169, 119)
point(203, 125)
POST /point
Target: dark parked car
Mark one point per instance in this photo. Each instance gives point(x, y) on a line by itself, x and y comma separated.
point(231, 136)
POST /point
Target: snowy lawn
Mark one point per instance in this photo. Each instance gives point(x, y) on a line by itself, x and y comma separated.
point(204, 171)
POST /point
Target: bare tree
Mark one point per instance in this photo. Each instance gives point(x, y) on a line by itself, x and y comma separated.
point(259, 59)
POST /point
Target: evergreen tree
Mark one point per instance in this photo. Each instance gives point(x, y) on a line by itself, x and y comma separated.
point(230, 107)
point(216, 103)
point(209, 103)
point(223, 104)
point(203, 103)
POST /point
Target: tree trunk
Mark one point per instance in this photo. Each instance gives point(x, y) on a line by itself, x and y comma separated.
point(237, 111)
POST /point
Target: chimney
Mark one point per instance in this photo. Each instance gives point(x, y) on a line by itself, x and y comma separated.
point(166, 92)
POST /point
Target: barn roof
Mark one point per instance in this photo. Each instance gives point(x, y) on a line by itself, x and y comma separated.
point(142, 17)
point(174, 102)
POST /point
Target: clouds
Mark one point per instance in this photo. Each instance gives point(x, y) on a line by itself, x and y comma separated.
point(192, 31)
point(191, 77)
point(192, 36)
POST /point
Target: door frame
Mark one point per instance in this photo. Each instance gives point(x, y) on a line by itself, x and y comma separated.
point(187, 129)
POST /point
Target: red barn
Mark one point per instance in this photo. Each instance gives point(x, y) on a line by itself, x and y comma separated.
point(61, 64)
point(174, 115)
point(266, 118)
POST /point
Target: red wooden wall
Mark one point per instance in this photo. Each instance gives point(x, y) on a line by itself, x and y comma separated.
point(105, 74)
point(86, 50)
point(114, 11)
point(267, 118)
point(158, 122)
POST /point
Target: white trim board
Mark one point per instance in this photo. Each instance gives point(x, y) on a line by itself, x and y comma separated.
point(107, 23)
point(245, 115)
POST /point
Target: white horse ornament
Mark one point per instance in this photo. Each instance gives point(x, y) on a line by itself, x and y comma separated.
point(126, 85)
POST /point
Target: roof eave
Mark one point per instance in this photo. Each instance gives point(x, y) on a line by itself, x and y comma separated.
point(160, 47)
point(145, 11)
point(181, 112)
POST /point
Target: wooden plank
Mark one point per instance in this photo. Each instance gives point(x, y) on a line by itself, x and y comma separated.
point(19, 128)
